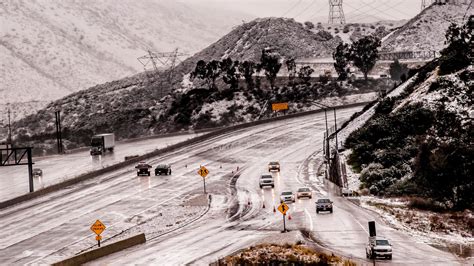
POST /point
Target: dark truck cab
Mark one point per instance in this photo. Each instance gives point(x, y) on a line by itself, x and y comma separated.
point(163, 169)
point(143, 169)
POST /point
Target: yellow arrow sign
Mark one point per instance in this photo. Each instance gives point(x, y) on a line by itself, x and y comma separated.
point(283, 208)
point(98, 227)
point(203, 171)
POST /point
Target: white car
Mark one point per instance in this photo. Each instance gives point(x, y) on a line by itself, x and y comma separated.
point(266, 180)
point(304, 192)
point(378, 247)
point(347, 192)
point(287, 196)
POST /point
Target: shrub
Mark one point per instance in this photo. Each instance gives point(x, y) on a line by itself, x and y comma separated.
point(385, 106)
point(403, 187)
point(346, 29)
point(425, 204)
point(323, 78)
point(453, 57)
point(309, 25)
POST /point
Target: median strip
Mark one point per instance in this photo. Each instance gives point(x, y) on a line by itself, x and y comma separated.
point(103, 251)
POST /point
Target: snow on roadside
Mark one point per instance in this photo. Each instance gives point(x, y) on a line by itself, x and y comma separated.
point(364, 117)
point(353, 181)
point(429, 227)
point(152, 222)
point(346, 99)
point(218, 108)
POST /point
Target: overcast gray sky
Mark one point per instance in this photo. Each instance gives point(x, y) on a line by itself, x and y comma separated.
point(317, 10)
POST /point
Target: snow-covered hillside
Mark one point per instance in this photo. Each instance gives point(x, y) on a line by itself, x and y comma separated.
point(49, 49)
point(426, 31)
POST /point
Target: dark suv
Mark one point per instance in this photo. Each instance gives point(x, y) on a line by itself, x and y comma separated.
point(163, 169)
point(323, 205)
point(143, 168)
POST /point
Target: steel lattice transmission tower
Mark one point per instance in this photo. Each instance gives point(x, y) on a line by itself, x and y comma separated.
point(167, 60)
point(336, 14)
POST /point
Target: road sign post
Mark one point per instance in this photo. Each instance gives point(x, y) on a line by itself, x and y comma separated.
point(98, 227)
point(283, 208)
point(203, 172)
point(98, 238)
point(204, 181)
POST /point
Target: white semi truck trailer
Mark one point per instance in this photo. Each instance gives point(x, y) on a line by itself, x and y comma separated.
point(101, 143)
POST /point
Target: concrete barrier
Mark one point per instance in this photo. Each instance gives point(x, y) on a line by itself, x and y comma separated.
point(103, 251)
point(157, 152)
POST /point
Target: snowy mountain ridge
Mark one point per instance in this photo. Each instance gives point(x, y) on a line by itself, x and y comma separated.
point(426, 30)
point(49, 49)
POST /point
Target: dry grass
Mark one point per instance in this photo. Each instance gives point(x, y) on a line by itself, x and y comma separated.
point(420, 215)
point(288, 254)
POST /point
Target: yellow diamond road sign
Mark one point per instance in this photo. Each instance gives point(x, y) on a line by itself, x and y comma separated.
point(283, 208)
point(203, 171)
point(98, 227)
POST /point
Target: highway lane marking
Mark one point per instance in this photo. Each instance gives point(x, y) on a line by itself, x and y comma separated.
point(363, 228)
point(310, 220)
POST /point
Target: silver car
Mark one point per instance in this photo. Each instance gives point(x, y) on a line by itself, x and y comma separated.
point(304, 192)
point(287, 196)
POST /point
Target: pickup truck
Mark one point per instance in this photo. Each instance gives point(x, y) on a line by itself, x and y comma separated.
point(378, 247)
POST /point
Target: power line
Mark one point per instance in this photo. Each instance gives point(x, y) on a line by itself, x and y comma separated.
point(379, 10)
point(291, 9)
point(305, 9)
point(368, 5)
point(372, 8)
point(465, 14)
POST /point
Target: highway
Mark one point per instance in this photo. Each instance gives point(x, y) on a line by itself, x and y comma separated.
point(56, 226)
point(56, 168)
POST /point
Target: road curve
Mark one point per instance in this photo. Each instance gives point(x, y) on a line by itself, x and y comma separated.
point(56, 226)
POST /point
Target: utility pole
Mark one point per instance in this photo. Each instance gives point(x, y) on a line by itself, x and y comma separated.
point(9, 140)
point(335, 130)
point(58, 131)
point(327, 135)
point(336, 13)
